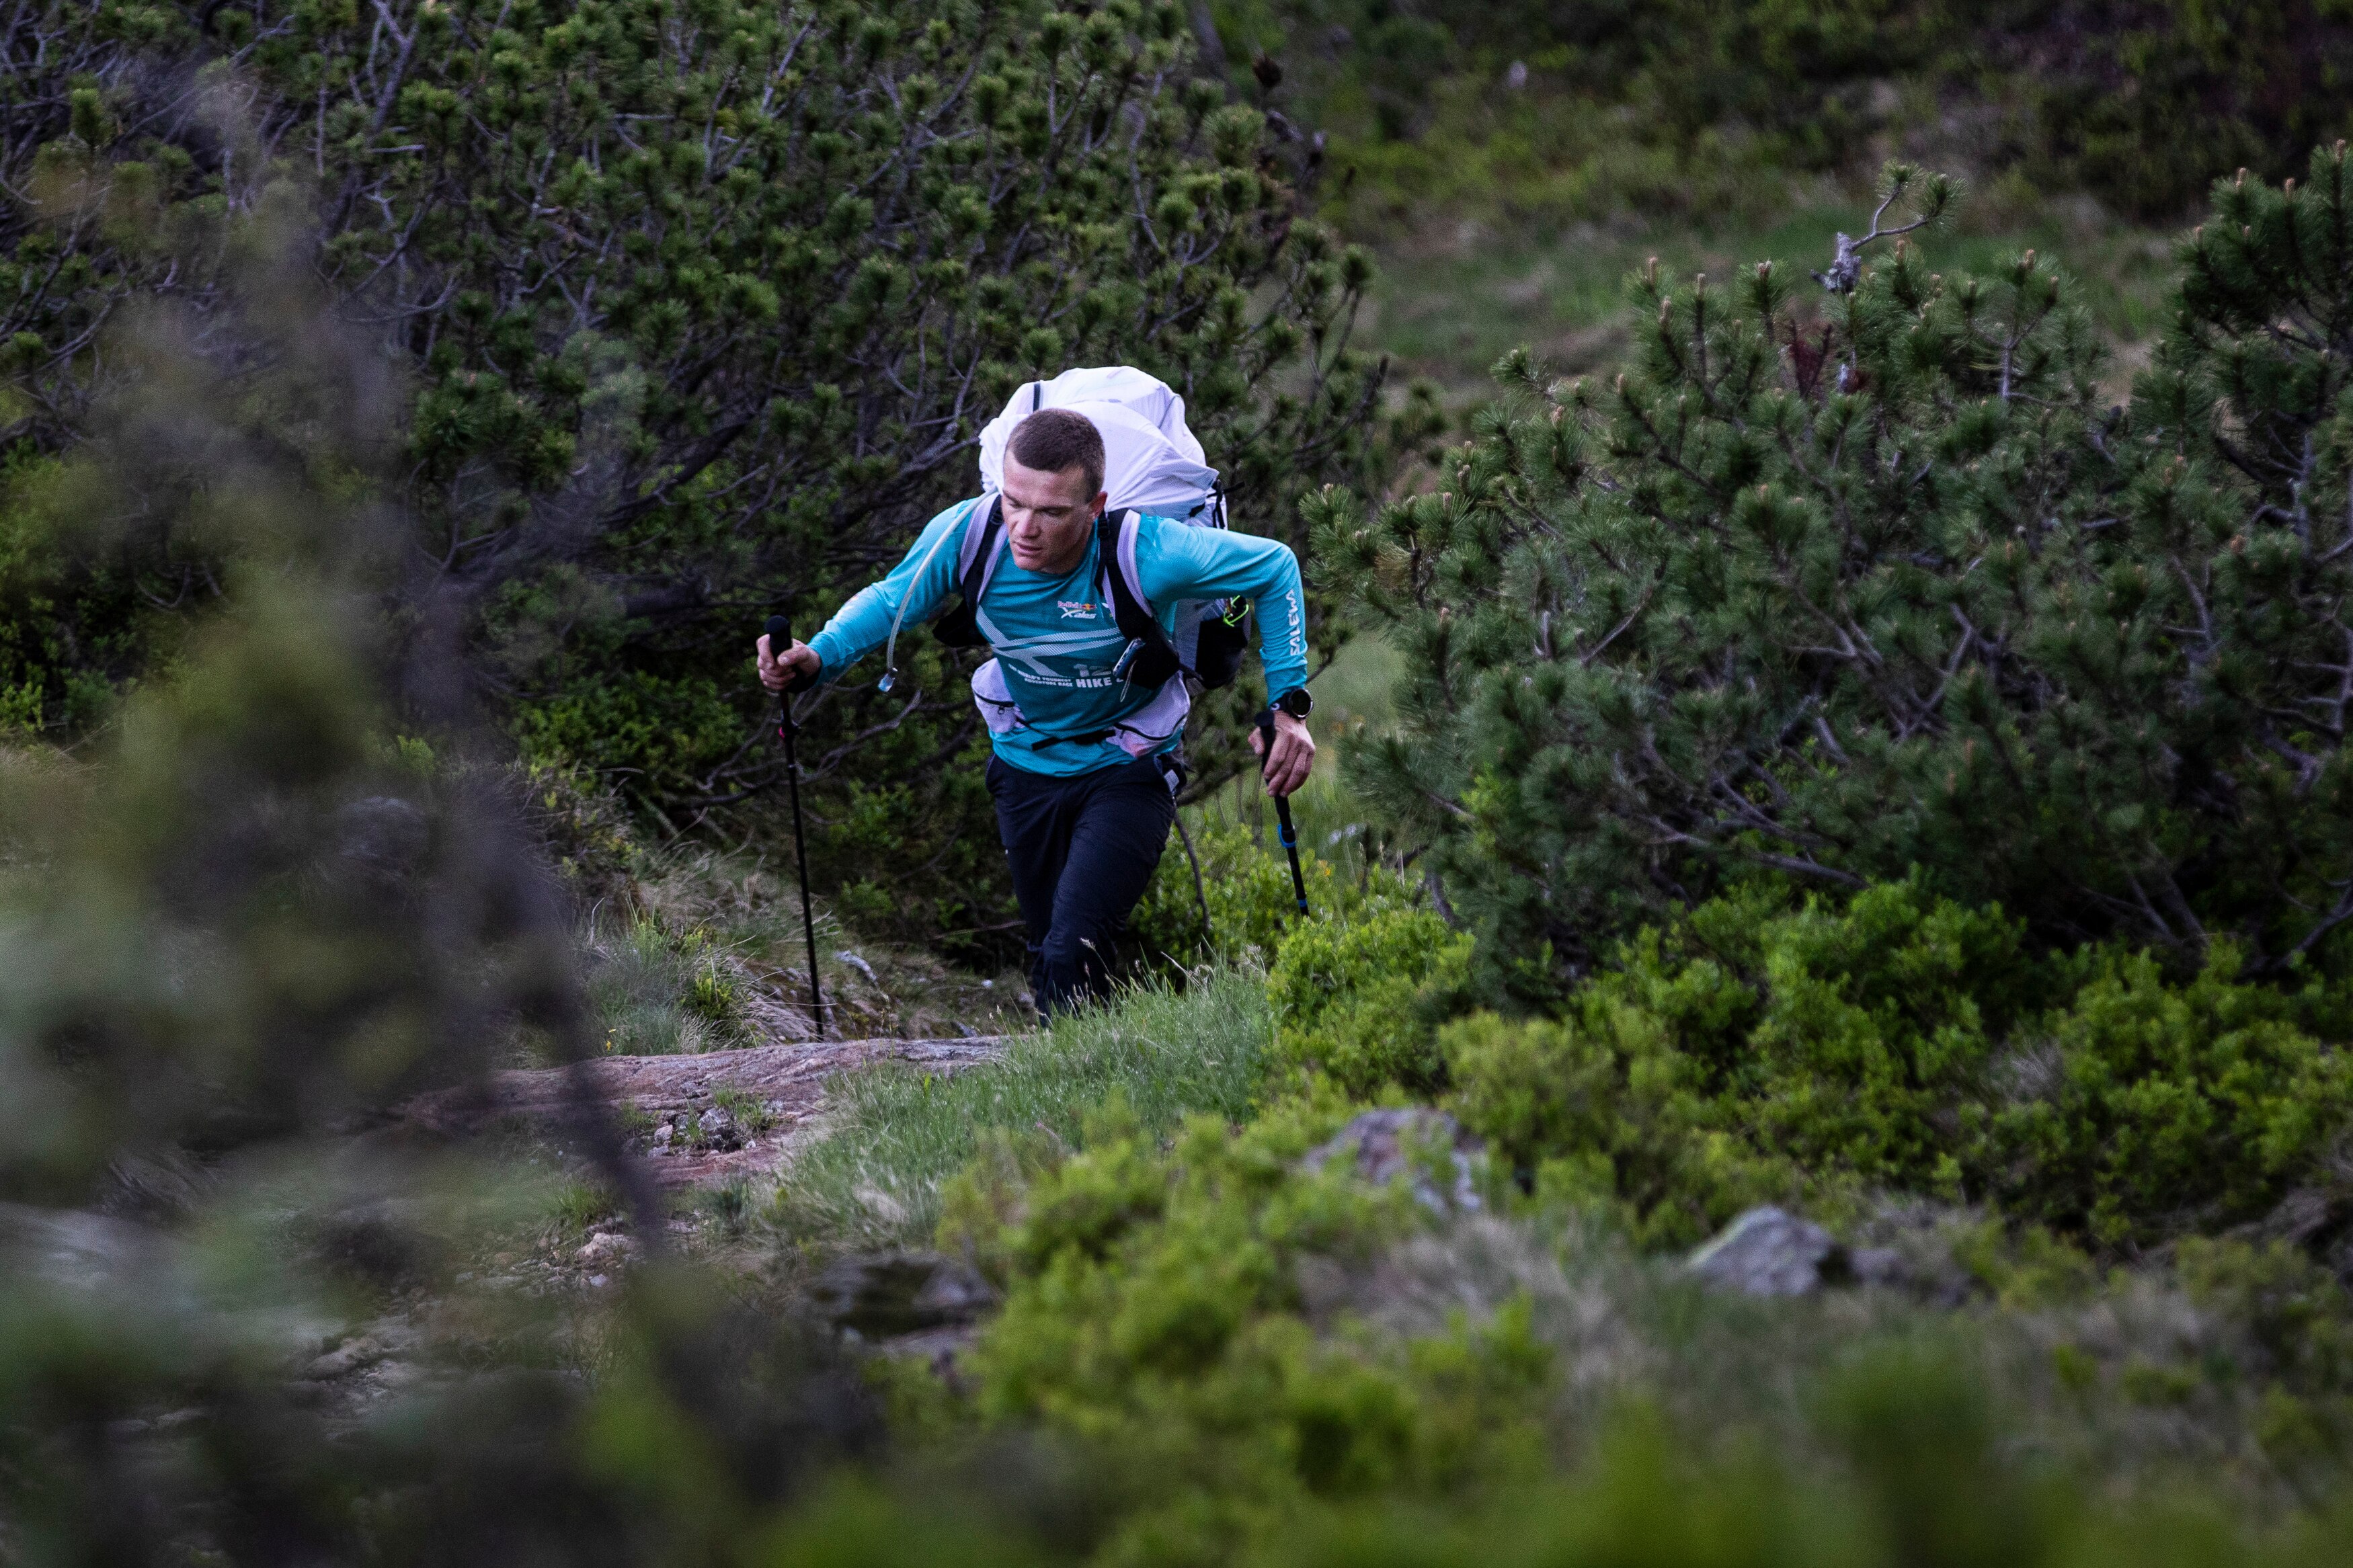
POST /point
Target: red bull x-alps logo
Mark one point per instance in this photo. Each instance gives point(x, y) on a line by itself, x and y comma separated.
point(1076, 609)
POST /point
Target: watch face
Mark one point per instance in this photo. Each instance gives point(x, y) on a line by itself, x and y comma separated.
point(1297, 703)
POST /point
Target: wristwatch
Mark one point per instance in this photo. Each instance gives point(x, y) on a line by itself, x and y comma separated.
point(1296, 702)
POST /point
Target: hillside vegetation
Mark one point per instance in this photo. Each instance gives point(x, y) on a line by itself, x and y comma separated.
point(1821, 1034)
point(1511, 164)
point(690, 314)
point(1691, 109)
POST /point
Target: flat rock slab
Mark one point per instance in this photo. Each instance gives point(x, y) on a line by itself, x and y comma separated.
point(1380, 1145)
point(788, 1081)
point(1770, 1252)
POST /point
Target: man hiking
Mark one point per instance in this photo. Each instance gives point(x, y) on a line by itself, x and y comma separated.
point(1083, 773)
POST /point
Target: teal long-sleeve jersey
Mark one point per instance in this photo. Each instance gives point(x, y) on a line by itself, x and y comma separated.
point(1056, 637)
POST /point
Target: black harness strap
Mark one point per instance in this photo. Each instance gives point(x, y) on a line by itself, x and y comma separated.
point(1150, 659)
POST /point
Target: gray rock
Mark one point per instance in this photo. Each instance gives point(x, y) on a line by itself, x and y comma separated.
point(76, 1249)
point(1766, 1252)
point(1771, 1252)
point(159, 1184)
point(940, 1349)
point(1878, 1266)
point(356, 1353)
point(1380, 1146)
point(385, 1338)
point(608, 1247)
point(719, 1128)
point(892, 1293)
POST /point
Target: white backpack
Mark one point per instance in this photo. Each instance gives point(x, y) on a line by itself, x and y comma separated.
point(1151, 461)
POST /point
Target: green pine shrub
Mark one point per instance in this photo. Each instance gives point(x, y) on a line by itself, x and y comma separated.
point(1755, 1052)
point(1836, 585)
point(69, 628)
point(1357, 1003)
point(662, 731)
point(1611, 1121)
point(2297, 1313)
point(248, 921)
point(1153, 1315)
point(2168, 1107)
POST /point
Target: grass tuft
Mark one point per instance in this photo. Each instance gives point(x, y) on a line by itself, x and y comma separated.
point(895, 1134)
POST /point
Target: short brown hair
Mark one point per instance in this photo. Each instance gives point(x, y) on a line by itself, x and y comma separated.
point(1053, 439)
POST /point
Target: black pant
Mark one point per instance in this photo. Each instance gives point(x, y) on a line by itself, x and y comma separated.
point(1083, 849)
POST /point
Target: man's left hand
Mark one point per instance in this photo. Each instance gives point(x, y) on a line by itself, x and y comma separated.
point(1293, 758)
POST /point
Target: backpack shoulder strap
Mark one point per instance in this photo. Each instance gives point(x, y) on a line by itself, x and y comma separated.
point(982, 538)
point(1116, 551)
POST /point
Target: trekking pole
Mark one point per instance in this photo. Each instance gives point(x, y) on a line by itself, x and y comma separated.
point(780, 637)
point(1283, 812)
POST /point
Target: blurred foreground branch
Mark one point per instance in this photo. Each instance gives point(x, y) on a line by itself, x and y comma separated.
point(291, 885)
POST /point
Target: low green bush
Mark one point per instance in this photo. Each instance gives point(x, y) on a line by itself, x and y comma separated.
point(1232, 1358)
point(2145, 1108)
point(2296, 1313)
point(1360, 1004)
point(1245, 892)
point(1152, 1314)
point(1641, 1502)
point(1753, 1051)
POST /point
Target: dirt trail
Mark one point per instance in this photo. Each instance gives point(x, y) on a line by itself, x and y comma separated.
point(785, 1082)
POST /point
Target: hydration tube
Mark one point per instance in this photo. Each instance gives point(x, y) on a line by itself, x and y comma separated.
point(891, 649)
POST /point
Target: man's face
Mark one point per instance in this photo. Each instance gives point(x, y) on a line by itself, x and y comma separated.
point(1048, 516)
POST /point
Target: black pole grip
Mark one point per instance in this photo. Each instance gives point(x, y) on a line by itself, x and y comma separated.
point(1289, 835)
point(780, 637)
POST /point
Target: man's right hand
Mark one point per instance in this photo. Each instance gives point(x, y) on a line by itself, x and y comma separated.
point(796, 665)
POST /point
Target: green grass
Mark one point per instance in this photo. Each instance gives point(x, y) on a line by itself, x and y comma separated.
point(659, 995)
point(895, 1134)
point(715, 959)
point(571, 1207)
point(1450, 302)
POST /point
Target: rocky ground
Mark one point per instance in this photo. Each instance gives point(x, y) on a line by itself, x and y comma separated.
point(699, 1119)
point(704, 1125)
